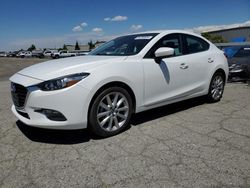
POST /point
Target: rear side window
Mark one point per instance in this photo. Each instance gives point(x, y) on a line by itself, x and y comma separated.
point(194, 44)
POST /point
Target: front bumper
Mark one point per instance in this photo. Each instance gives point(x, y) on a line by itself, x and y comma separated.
point(72, 102)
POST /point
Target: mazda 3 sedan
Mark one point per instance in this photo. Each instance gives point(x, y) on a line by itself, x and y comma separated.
point(129, 74)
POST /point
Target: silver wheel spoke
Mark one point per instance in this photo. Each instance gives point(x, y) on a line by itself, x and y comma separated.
point(122, 108)
point(120, 102)
point(213, 91)
point(115, 99)
point(214, 94)
point(220, 83)
point(116, 122)
point(104, 106)
point(104, 121)
point(109, 100)
point(102, 114)
point(121, 116)
point(110, 124)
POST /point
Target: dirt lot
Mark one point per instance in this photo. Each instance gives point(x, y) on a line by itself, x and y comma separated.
point(9, 66)
point(188, 144)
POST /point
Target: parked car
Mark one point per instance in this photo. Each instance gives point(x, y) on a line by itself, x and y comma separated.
point(12, 54)
point(3, 54)
point(239, 65)
point(129, 74)
point(48, 53)
point(80, 52)
point(23, 54)
point(38, 53)
point(62, 53)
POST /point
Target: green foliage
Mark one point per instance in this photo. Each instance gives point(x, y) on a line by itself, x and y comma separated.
point(77, 47)
point(65, 47)
point(214, 38)
point(91, 45)
point(31, 48)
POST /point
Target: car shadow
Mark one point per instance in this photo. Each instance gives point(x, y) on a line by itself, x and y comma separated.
point(68, 137)
point(49, 136)
point(159, 112)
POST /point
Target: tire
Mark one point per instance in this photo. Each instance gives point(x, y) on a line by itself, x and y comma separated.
point(216, 87)
point(110, 112)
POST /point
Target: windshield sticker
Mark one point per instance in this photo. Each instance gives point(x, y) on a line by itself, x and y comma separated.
point(143, 37)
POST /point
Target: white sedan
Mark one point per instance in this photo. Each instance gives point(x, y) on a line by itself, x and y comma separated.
point(129, 74)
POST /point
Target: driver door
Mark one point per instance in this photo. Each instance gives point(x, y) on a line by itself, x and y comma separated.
point(166, 80)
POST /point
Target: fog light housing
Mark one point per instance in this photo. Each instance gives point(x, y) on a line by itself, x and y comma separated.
point(52, 115)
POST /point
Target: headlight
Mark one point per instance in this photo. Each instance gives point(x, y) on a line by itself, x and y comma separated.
point(62, 82)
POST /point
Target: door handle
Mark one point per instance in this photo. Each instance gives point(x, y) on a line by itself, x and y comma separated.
point(210, 60)
point(183, 66)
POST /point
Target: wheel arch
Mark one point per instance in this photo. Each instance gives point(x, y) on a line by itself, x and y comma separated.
point(220, 70)
point(112, 84)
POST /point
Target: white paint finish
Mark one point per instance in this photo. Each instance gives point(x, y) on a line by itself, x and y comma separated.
point(154, 84)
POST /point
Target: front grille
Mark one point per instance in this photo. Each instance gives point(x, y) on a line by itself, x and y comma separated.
point(18, 93)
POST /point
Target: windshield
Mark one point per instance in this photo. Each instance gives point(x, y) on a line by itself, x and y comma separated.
point(124, 46)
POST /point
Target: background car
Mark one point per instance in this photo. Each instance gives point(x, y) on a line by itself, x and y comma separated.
point(48, 53)
point(3, 54)
point(38, 53)
point(12, 54)
point(23, 54)
point(63, 53)
point(239, 65)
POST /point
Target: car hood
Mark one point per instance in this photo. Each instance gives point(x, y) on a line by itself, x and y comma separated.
point(239, 60)
point(61, 67)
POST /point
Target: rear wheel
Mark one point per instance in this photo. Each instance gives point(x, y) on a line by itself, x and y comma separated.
point(110, 112)
point(216, 88)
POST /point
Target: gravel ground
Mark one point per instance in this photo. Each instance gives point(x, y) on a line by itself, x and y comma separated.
point(9, 66)
point(188, 144)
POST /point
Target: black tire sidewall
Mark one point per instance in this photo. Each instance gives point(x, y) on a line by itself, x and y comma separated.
point(92, 119)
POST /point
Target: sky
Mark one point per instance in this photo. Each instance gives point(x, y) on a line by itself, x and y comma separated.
point(52, 23)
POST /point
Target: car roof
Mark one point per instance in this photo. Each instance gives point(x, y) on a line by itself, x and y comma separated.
point(166, 32)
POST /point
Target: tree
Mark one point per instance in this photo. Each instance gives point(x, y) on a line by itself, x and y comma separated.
point(31, 48)
point(77, 46)
point(213, 38)
point(91, 45)
point(65, 47)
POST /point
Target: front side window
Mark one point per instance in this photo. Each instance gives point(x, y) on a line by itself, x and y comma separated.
point(171, 41)
point(194, 44)
point(124, 46)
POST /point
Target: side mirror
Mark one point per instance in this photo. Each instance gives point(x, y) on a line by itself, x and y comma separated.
point(164, 52)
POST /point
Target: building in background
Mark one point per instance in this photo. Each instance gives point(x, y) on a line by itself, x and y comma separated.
point(237, 34)
point(84, 48)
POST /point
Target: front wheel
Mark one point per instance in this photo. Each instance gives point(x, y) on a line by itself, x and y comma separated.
point(110, 112)
point(216, 87)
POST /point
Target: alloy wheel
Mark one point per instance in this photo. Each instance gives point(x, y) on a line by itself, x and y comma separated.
point(112, 111)
point(217, 87)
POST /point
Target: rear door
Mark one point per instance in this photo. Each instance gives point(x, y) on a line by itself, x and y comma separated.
point(199, 61)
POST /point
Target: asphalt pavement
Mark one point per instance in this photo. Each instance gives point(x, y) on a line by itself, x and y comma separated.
point(188, 144)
